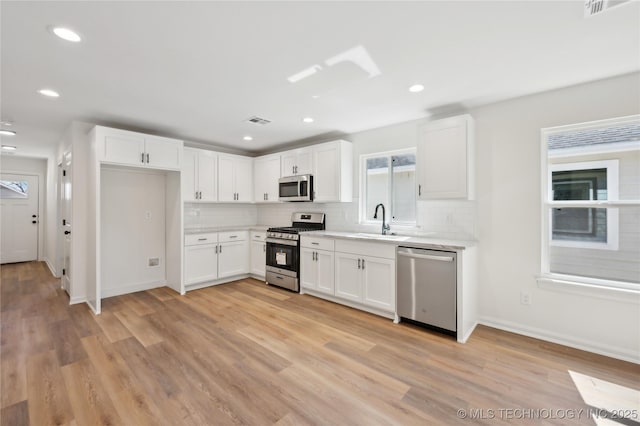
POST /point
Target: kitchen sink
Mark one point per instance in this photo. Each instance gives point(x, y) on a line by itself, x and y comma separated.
point(379, 237)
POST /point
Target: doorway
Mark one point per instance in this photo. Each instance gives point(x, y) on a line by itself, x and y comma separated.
point(19, 207)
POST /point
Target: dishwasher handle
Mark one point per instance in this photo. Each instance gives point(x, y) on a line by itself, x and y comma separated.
point(426, 256)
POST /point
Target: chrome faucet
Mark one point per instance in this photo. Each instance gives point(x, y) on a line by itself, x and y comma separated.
point(385, 227)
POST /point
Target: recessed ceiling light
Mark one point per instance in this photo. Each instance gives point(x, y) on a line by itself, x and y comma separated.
point(48, 92)
point(9, 148)
point(416, 88)
point(247, 138)
point(7, 132)
point(66, 34)
point(308, 120)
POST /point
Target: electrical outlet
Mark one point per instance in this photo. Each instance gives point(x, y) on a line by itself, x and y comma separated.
point(525, 298)
point(154, 261)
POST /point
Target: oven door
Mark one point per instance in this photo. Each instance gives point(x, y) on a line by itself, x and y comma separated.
point(283, 255)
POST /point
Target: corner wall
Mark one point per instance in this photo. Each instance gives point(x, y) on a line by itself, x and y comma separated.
point(509, 220)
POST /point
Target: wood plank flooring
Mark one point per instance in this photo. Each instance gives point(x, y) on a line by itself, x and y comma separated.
point(247, 353)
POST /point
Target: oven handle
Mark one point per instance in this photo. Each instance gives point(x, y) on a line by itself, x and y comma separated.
point(282, 242)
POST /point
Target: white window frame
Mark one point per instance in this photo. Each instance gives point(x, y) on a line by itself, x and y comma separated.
point(363, 214)
point(612, 167)
point(573, 283)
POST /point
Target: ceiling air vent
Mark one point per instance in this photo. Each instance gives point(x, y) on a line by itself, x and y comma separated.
point(258, 120)
point(595, 7)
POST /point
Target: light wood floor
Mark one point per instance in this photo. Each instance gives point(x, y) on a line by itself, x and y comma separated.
point(246, 353)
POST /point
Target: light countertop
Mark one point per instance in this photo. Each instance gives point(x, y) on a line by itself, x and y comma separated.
point(204, 230)
point(426, 241)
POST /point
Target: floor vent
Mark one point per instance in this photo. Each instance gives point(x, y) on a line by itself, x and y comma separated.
point(258, 120)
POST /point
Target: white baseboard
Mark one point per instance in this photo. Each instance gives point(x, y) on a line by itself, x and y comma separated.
point(76, 300)
point(463, 339)
point(110, 292)
point(563, 339)
point(51, 268)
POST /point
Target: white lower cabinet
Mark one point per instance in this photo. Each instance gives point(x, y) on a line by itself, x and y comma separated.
point(351, 271)
point(258, 253)
point(214, 256)
point(317, 270)
point(367, 280)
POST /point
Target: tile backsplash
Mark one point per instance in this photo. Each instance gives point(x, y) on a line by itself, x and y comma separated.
point(447, 219)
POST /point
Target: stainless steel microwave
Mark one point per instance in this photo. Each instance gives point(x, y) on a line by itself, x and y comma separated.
point(296, 188)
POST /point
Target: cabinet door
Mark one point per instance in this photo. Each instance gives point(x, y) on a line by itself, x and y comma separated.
point(208, 175)
point(304, 161)
point(163, 153)
point(288, 162)
point(348, 277)
point(123, 149)
point(189, 174)
point(325, 263)
point(379, 283)
point(200, 264)
point(258, 258)
point(308, 269)
point(266, 172)
point(226, 188)
point(442, 159)
point(243, 171)
point(326, 178)
point(233, 259)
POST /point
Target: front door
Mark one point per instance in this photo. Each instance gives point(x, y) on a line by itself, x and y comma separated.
point(19, 218)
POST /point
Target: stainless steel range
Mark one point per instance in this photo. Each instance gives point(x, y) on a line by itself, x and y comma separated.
point(283, 249)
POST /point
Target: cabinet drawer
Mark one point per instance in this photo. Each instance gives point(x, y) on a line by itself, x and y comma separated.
point(232, 236)
point(258, 236)
point(375, 249)
point(319, 243)
point(199, 239)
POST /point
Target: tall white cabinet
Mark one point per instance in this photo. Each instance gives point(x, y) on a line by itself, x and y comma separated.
point(333, 172)
point(446, 159)
point(297, 162)
point(123, 166)
point(266, 172)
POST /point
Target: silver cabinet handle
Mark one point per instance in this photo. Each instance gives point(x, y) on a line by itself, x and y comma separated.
point(147, 158)
point(220, 251)
point(142, 158)
point(216, 249)
point(358, 263)
point(419, 190)
point(315, 244)
point(426, 256)
point(362, 263)
point(233, 236)
point(202, 239)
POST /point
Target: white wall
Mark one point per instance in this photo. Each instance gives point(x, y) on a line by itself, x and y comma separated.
point(219, 215)
point(38, 167)
point(509, 220)
point(133, 229)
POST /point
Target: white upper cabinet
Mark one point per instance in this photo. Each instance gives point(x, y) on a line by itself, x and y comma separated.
point(333, 172)
point(235, 178)
point(446, 159)
point(137, 149)
point(297, 162)
point(199, 175)
point(266, 172)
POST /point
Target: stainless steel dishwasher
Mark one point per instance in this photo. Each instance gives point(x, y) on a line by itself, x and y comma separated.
point(426, 287)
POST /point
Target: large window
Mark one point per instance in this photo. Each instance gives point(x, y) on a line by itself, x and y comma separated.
point(591, 203)
point(389, 178)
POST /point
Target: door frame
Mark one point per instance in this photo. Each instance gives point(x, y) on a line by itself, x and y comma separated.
point(41, 201)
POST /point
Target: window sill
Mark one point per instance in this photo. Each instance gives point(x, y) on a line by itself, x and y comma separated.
point(603, 289)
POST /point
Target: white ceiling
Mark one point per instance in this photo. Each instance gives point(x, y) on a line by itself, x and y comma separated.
point(197, 70)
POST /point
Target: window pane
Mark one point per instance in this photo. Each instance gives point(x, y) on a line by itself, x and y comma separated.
point(580, 224)
point(377, 185)
point(619, 265)
point(404, 184)
point(580, 184)
point(14, 189)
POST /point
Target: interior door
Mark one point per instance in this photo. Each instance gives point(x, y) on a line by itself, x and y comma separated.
point(66, 223)
point(19, 218)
